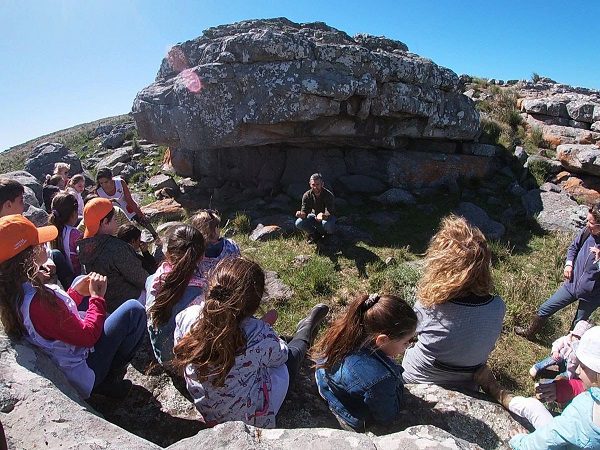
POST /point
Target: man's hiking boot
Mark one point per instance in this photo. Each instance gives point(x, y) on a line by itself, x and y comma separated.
point(536, 325)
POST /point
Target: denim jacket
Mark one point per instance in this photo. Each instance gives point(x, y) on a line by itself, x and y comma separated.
point(365, 387)
point(584, 283)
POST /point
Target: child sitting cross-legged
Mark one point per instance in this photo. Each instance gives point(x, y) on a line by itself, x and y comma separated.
point(356, 372)
point(579, 424)
point(92, 351)
point(562, 354)
point(176, 285)
point(208, 222)
point(235, 366)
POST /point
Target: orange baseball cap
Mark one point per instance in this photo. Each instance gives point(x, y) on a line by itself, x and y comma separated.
point(17, 233)
point(93, 212)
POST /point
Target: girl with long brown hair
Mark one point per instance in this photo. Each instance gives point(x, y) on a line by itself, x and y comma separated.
point(356, 373)
point(92, 350)
point(460, 319)
point(64, 217)
point(176, 285)
point(235, 366)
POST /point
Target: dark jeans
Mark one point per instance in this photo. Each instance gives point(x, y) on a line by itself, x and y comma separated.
point(297, 349)
point(562, 298)
point(63, 271)
point(312, 226)
point(123, 333)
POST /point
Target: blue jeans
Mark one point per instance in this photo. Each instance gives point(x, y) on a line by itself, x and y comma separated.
point(550, 361)
point(312, 226)
point(122, 334)
point(562, 298)
point(63, 271)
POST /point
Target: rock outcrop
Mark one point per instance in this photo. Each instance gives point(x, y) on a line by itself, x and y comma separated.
point(34, 391)
point(262, 104)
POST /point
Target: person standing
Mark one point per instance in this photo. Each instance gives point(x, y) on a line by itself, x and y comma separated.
point(581, 275)
point(316, 217)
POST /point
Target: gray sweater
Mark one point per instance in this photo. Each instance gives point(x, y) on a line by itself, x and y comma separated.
point(455, 338)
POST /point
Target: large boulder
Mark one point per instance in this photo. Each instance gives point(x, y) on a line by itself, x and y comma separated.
point(240, 436)
point(34, 391)
point(42, 158)
point(120, 155)
point(118, 134)
point(254, 101)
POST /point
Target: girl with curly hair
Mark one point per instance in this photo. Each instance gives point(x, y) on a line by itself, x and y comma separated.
point(460, 319)
point(235, 366)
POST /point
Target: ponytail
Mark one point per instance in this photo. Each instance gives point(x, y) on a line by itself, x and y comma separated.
point(236, 287)
point(185, 247)
point(63, 207)
point(366, 318)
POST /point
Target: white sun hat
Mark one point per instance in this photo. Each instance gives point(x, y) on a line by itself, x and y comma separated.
point(588, 350)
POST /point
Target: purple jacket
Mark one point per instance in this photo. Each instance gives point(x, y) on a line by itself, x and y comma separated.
point(586, 273)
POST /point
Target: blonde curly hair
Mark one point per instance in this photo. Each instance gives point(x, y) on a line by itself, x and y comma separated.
point(457, 264)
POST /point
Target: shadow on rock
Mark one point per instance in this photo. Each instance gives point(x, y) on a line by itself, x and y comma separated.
point(149, 420)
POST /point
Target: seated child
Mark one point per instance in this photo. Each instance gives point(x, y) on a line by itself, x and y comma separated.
point(52, 186)
point(116, 189)
point(92, 351)
point(579, 424)
point(133, 236)
point(356, 372)
point(235, 366)
point(176, 285)
point(76, 186)
point(217, 247)
point(64, 217)
point(62, 170)
point(563, 354)
point(100, 251)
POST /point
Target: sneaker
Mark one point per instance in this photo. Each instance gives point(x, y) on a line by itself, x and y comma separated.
point(533, 372)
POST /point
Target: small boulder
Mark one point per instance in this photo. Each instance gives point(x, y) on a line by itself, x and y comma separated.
point(27, 180)
point(580, 158)
point(36, 215)
point(265, 233)
point(118, 135)
point(120, 155)
point(275, 289)
point(162, 181)
point(396, 196)
point(554, 211)
point(164, 210)
point(521, 154)
point(479, 218)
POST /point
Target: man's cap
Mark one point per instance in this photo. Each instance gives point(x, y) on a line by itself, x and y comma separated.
point(588, 350)
point(17, 234)
point(94, 211)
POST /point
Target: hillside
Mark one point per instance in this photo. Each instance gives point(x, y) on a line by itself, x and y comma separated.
point(14, 157)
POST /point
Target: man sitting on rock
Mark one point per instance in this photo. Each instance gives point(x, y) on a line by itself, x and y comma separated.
point(316, 216)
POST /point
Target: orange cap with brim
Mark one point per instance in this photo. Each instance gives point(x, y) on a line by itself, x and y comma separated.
point(17, 234)
point(94, 211)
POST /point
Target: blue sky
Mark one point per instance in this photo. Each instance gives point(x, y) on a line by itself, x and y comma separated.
point(66, 62)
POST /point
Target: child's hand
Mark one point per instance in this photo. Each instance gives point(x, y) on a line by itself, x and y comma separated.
point(546, 392)
point(83, 286)
point(596, 251)
point(97, 284)
point(270, 317)
point(555, 356)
